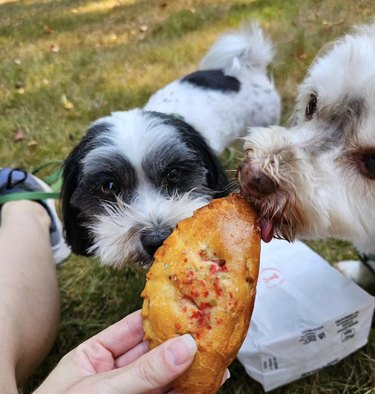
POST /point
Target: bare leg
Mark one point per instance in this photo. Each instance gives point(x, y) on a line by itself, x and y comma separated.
point(29, 294)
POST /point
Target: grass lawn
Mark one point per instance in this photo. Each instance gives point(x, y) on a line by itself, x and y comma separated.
point(65, 63)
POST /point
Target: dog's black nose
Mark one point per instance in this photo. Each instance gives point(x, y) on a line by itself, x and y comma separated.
point(253, 181)
point(152, 239)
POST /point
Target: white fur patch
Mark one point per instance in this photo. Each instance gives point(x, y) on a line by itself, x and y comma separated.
point(117, 232)
point(134, 135)
point(222, 117)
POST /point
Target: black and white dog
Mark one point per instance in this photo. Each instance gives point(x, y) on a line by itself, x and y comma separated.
point(136, 174)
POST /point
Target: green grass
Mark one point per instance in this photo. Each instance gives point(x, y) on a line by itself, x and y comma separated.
point(108, 60)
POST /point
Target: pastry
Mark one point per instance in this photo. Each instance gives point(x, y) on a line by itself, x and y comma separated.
point(203, 282)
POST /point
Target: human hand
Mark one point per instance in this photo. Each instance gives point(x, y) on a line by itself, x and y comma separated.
point(117, 360)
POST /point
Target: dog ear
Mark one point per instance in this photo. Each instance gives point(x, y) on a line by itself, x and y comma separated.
point(217, 180)
point(76, 231)
point(76, 234)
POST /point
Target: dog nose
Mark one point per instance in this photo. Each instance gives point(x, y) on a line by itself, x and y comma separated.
point(152, 239)
point(253, 181)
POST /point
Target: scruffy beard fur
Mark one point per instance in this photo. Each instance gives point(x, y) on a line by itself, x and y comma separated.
point(282, 207)
point(292, 206)
point(316, 179)
point(117, 231)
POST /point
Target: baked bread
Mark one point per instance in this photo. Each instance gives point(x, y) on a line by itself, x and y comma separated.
point(202, 282)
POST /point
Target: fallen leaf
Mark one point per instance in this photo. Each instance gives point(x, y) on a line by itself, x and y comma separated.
point(18, 135)
point(113, 37)
point(54, 48)
point(66, 103)
point(48, 29)
point(32, 143)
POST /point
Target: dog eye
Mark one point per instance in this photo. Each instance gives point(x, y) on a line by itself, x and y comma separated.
point(110, 188)
point(368, 161)
point(173, 176)
point(312, 106)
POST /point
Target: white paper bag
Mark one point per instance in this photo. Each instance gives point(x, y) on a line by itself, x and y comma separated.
point(307, 316)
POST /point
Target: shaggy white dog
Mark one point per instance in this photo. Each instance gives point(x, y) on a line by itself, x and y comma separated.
point(316, 179)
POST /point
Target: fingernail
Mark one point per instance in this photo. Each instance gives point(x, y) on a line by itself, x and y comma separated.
point(226, 376)
point(181, 350)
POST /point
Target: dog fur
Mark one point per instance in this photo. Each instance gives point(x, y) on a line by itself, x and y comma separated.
point(137, 173)
point(316, 178)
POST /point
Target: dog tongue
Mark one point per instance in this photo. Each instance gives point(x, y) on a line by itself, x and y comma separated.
point(266, 228)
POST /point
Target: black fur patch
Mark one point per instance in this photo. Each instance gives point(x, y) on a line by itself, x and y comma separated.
point(216, 179)
point(213, 79)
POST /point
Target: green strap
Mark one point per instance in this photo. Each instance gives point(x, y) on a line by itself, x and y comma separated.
point(54, 163)
point(54, 179)
point(28, 196)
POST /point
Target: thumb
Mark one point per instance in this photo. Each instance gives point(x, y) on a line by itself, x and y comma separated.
point(157, 368)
